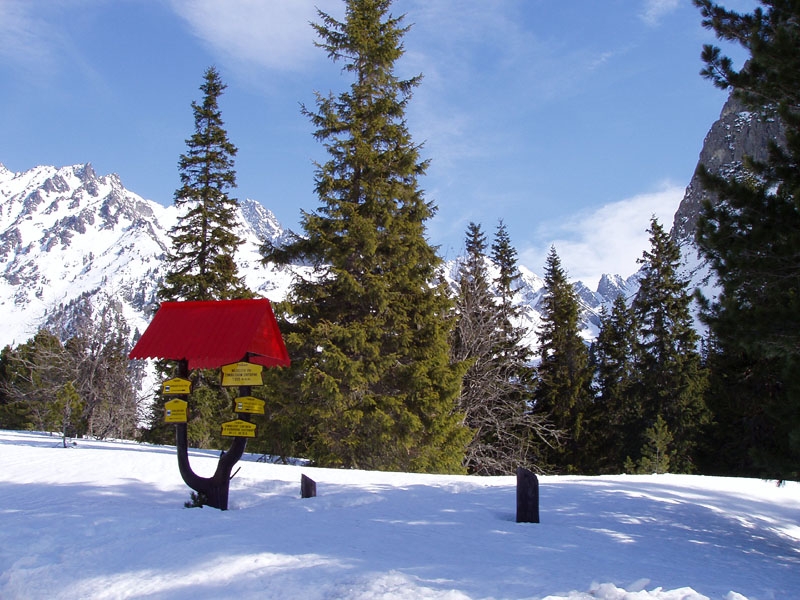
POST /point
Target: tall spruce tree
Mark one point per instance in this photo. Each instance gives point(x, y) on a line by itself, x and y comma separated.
point(504, 256)
point(201, 265)
point(371, 384)
point(474, 341)
point(564, 377)
point(496, 394)
point(614, 421)
point(534, 433)
point(751, 238)
point(670, 378)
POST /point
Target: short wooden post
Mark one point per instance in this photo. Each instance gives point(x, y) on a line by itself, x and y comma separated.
point(308, 487)
point(527, 496)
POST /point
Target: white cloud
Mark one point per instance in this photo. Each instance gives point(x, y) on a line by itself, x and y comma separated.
point(274, 34)
point(654, 10)
point(606, 240)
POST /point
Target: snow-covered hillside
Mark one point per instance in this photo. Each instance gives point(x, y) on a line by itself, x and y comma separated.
point(68, 231)
point(105, 520)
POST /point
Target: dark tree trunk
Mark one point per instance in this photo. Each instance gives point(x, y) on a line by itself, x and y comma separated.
point(214, 489)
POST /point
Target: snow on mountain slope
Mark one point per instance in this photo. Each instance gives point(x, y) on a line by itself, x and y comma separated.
point(67, 231)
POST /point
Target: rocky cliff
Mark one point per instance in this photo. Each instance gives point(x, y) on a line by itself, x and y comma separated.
point(737, 133)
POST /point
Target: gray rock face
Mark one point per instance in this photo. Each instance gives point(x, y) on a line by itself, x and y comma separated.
point(737, 133)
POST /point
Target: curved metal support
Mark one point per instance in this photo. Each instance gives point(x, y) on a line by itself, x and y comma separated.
point(214, 488)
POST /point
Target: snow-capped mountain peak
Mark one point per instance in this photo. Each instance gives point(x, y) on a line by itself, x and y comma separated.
point(68, 231)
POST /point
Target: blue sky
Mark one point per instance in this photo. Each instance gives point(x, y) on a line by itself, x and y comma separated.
point(573, 121)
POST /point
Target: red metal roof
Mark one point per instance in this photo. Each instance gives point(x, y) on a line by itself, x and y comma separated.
point(210, 334)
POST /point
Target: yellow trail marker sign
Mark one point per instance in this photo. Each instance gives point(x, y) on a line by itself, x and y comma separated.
point(238, 428)
point(176, 386)
point(241, 373)
point(248, 404)
point(175, 411)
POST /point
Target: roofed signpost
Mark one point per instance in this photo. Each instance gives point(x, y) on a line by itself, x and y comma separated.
point(242, 337)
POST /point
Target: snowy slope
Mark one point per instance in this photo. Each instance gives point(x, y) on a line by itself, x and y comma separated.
point(105, 520)
point(68, 231)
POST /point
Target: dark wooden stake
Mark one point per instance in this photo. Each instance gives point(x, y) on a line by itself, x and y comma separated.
point(308, 487)
point(527, 496)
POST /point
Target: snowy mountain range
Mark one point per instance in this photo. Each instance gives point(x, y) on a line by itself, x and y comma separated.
point(68, 231)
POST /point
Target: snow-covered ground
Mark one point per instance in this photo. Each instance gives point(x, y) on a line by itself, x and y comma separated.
point(105, 520)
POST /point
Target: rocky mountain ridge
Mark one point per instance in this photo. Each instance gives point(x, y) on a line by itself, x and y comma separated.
point(66, 232)
point(739, 133)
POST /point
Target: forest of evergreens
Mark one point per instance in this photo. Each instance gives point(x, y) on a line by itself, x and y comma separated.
point(392, 369)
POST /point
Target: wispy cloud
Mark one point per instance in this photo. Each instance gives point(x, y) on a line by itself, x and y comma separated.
point(655, 10)
point(37, 45)
point(275, 34)
point(30, 42)
point(609, 239)
point(491, 65)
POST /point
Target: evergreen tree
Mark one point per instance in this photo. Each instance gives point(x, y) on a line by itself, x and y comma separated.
point(741, 388)
point(201, 265)
point(65, 411)
point(371, 383)
point(671, 381)
point(614, 421)
point(88, 375)
point(750, 238)
point(476, 308)
point(536, 434)
point(656, 454)
point(564, 377)
point(97, 347)
point(504, 256)
point(33, 375)
point(496, 394)
point(474, 340)
point(15, 412)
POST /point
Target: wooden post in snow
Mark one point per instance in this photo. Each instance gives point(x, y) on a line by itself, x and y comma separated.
point(527, 496)
point(308, 487)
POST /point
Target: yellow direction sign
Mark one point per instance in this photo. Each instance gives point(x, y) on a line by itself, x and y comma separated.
point(241, 373)
point(175, 411)
point(177, 386)
point(238, 428)
point(248, 404)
